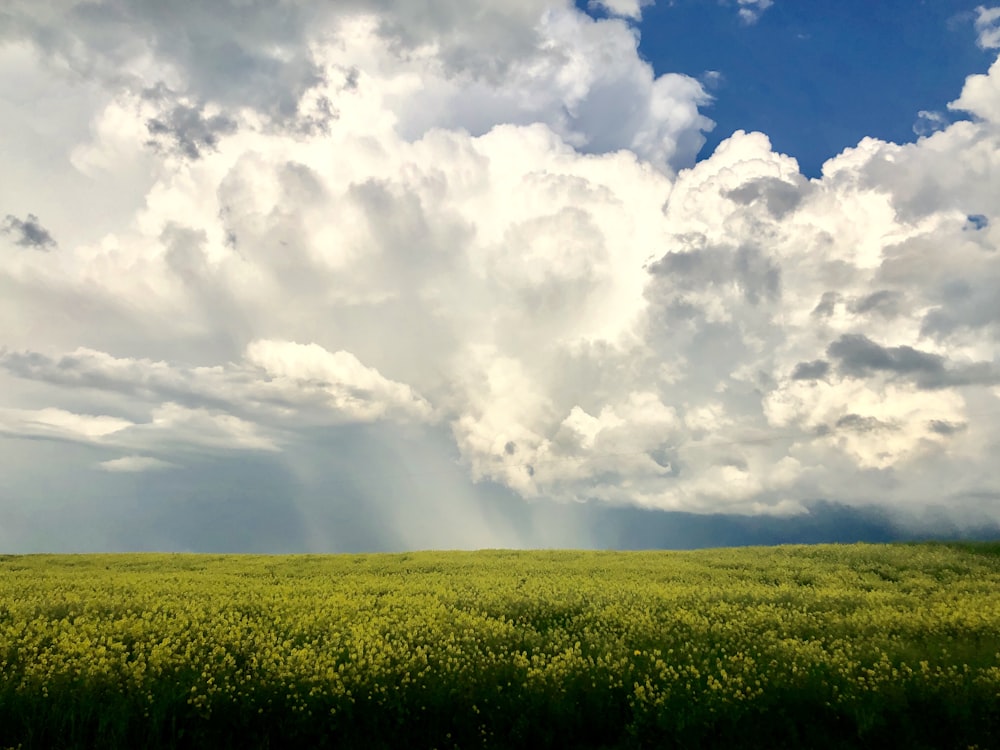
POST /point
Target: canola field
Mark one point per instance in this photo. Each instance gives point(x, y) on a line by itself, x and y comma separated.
point(876, 646)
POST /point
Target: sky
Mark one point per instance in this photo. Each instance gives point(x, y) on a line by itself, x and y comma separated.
point(381, 276)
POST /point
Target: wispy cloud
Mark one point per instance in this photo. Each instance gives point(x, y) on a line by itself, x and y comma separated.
point(751, 10)
point(929, 122)
point(134, 464)
point(276, 378)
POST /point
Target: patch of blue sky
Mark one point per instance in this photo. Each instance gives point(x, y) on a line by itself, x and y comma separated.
point(819, 77)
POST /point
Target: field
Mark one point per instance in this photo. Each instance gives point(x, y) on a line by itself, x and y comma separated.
point(790, 647)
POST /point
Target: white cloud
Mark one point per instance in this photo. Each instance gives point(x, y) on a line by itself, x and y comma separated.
point(59, 423)
point(170, 427)
point(134, 464)
point(359, 392)
point(877, 428)
point(981, 95)
point(176, 426)
point(751, 10)
point(516, 247)
point(988, 27)
point(631, 9)
point(584, 80)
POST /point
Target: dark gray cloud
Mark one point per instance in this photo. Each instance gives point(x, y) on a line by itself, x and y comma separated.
point(859, 356)
point(780, 197)
point(814, 370)
point(224, 51)
point(826, 304)
point(859, 423)
point(757, 275)
point(884, 302)
point(964, 306)
point(186, 130)
point(955, 285)
point(259, 54)
point(942, 427)
point(28, 232)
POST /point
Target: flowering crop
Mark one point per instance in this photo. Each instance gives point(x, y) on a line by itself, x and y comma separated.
point(826, 646)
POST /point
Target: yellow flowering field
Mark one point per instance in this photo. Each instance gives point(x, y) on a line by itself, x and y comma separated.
point(831, 646)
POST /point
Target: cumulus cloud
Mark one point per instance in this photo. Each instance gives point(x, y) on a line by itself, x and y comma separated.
point(485, 222)
point(526, 62)
point(981, 95)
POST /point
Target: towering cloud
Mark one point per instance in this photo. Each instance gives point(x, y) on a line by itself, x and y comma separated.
point(486, 218)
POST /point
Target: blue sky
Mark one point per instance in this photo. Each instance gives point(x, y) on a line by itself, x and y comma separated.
point(818, 78)
point(373, 276)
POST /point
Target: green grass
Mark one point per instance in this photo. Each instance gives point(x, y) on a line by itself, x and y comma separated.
point(789, 647)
